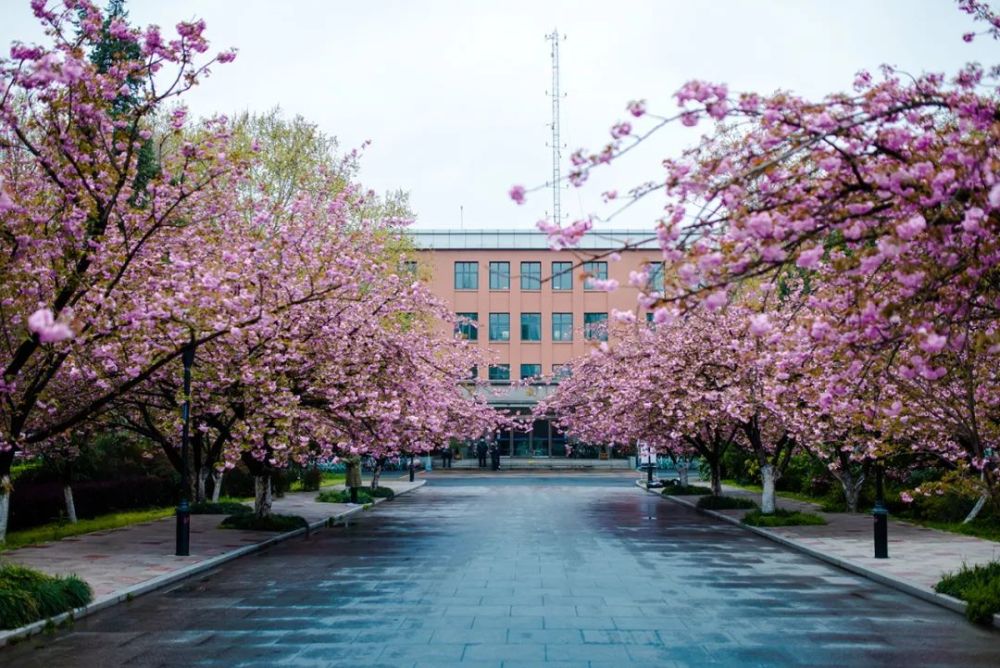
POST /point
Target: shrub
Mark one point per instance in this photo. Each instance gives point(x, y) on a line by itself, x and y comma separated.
point(685, 490)
point(381, 492)
point(725, 503)
point(220, 508)
point(312, 478)
point(782, 518)
point(978, 586)
point(17, 608)
point(27, 595)
point(250, 522)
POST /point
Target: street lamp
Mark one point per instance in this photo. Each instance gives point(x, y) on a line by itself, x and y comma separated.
point(881, 514)
point(184, 508)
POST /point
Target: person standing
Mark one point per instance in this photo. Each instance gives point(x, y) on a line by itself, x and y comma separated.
point(446, 457)
point(495, 456)
point(481, 452)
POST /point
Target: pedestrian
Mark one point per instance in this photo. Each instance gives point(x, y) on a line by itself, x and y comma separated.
point(481, 452)
point(495, 456)
point(446, 457)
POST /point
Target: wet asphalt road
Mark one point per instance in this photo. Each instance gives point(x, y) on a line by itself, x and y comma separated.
point(522, 571)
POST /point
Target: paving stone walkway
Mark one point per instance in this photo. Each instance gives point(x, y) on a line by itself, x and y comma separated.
point(917, 555)
point(522, 571)
point(112, 561)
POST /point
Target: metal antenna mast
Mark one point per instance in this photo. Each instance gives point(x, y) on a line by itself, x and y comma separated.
point(556, 143)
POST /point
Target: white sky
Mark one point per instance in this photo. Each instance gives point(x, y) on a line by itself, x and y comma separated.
point(452, 93)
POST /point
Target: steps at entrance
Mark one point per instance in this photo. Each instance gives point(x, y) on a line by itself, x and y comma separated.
point(543, 463)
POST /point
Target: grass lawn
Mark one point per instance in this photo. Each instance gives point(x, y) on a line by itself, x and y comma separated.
point(782, 518)
point(330, 478)
point(986, 529)
point(60, 530)
point(787, 495)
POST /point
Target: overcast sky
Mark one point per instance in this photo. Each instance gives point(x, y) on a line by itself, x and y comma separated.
point(452, 94)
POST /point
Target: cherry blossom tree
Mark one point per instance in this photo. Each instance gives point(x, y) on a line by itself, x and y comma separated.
point(73, 225)
point(886, 200)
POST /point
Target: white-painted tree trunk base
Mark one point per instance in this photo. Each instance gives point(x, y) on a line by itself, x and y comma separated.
point(4, 506)
point(70, 503)
point(767, 496)
point(199, 492)
point(682, 474)
point(216, 486)
point(975, 509)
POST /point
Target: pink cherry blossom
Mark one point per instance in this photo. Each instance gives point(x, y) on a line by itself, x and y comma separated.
point(517, 193)
point(43, 323)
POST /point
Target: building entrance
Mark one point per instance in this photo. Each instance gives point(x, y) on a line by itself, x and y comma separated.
point(544, 439)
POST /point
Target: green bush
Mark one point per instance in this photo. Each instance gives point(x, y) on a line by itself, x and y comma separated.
point(382, 492)
point(312, 478)
point(221, 508)
point(17, 608)
point(725, 503)
point(250, 522)
point(978, 586)
point(27, 595)
point(685, 490)
point(782, 518)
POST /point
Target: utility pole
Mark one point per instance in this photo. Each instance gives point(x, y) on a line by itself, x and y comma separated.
point(554, 38)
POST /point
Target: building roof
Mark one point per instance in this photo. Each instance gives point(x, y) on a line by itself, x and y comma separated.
point(596, 239)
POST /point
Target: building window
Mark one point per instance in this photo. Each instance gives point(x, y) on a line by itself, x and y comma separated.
point(562, 275)
point(466, 275)
point(531, 326)
point(410, 267)
point(499, 326)
point(655, 271)
point(595, 326)
point(499, 275)
point(468, 329)
point(531, 275)
point(530, 371)
point(499, 372)
point(649, 319)
point(595, 271)
point(562, 371)
point(474, 374)
point(562, 326)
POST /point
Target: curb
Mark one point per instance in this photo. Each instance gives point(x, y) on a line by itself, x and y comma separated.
point(918, 591)
point(130, 593)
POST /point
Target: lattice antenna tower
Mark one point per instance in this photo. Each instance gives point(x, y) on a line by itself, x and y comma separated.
point(557, 147)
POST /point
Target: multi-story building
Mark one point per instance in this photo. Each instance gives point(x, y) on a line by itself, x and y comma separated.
point(534, 308)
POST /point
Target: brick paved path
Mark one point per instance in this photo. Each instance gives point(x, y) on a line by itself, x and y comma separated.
point(114, 560)
point(521, 572)
point(916, 554)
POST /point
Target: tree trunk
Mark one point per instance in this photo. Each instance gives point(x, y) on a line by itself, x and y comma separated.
point(216, 486)
point(376, 473)
point(682, 471)
point(767, 496)
point(262, 495)
point(70, 505)
point(715, 467)
point(5, 489)
point(202, 478)
point(975, 509)
point(852, 489)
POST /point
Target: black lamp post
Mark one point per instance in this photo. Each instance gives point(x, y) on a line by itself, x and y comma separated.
point(881, 514)
point(411, 467)
point(184, 508)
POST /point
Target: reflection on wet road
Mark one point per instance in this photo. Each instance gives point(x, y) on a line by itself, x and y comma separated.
point(512, 571)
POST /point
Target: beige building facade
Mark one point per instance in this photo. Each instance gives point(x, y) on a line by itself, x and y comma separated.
point(534, 309)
